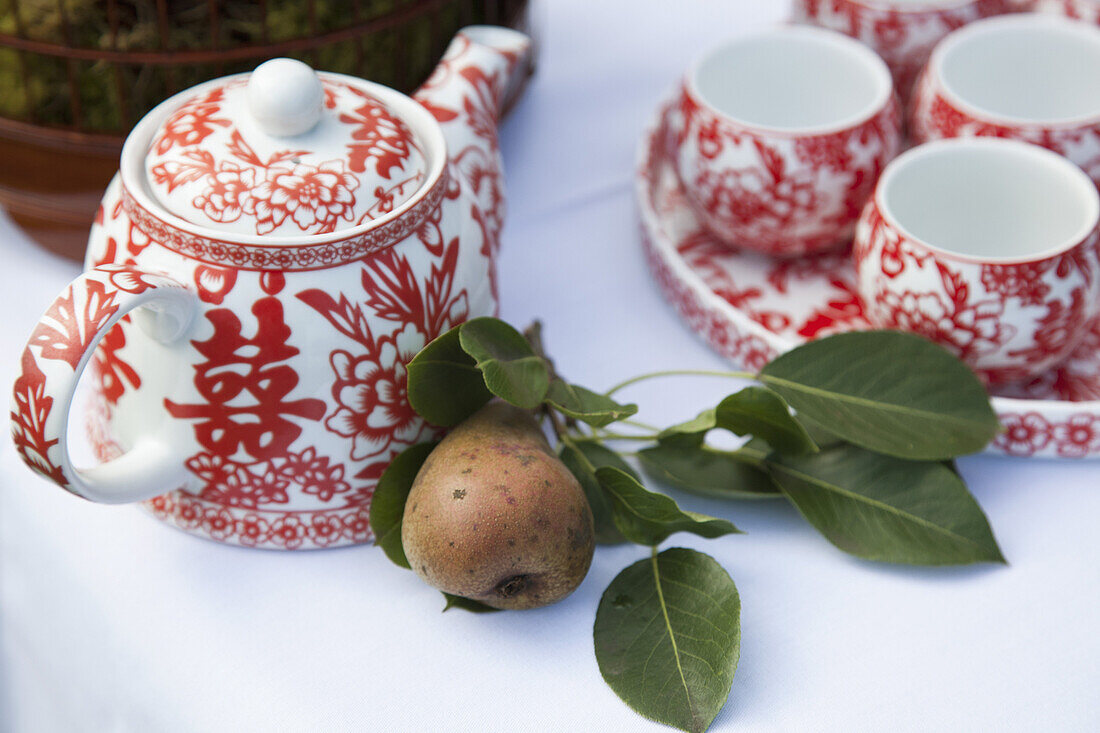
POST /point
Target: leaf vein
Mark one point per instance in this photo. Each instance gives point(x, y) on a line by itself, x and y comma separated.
point(671, 634)
point(883, 506)
point(865, 402)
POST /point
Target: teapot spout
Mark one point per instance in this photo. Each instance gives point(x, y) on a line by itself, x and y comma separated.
point(481, 74)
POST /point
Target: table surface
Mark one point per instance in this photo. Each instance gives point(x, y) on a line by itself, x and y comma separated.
point(110, 621)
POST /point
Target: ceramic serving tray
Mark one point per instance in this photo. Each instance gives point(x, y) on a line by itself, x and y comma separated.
point(750, 308)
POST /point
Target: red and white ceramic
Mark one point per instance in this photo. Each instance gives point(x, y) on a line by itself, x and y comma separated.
point(1087, 10)
point(779, 138)
point(272, 252)
point(989, 247)
point(223, 159)
point(902, 32)
point(750, 307)
point(1029, 77)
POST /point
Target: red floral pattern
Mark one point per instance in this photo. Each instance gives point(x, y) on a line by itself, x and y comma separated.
point(317, 198)
point(903, 36)
point(1018, 281)
point(265, 469)
point(214, 283)
point(475, 111)
point(873, 230)
point(380, 137)
point(192, 123)
point(964, 306)
point(1024, 435)
point(229, 193)
point(241, 487)
point(63, 336)
point(208, 173)
point(370, 388)
point(251, 491)
point(146, 226)
point(373, 400)
point(114, 375)
point(934, 117)
point(1078, 436)
point(64, 333)
point(968, 329)
point(749, 308)
point(314, 474)
point(1086, 10)
point(723, 336)
point(1032, 434)
point(263, 529)
point(1059, 328)
point(72, 322)
point(31, 408)
point(780, 194)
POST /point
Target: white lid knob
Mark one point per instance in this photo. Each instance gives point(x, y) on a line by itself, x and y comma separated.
point(285, 97)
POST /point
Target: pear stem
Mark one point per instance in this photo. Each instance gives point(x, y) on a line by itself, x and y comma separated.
point(533, 334)
point(623, 436)
point(555, 424)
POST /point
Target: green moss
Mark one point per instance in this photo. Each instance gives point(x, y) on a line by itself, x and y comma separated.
point(113, 96)
point(13, 103)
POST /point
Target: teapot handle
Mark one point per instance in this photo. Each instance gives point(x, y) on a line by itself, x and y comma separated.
point(54, 359)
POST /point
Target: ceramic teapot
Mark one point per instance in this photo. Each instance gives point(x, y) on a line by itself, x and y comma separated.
point(274, 249)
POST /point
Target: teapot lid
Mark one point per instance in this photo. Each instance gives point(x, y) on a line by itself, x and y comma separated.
point(284, 152)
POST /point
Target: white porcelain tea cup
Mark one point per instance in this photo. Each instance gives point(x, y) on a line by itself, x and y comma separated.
point(990, 247)
point(902, 32)
point(1088, 10)
point(1027, 77)
point(779, 137)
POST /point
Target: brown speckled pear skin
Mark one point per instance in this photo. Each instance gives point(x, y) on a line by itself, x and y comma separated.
point(494, 516)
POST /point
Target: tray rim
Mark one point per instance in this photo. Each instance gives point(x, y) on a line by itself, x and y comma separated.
point(1053, 411)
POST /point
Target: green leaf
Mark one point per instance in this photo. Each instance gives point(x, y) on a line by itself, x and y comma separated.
point(387, 507)
point(511, 369)
point(599, 456)
point(706, 471)
point(647, 518)
point(668, 637)
point(698, 426)
point(466, 604)
point(585, 405)
point(444, 384)
point(755, 411)
point(888, 509)
point(754, 452)
point(763, 414)
point(821, 437)
point(582, 458)
point(887, 391)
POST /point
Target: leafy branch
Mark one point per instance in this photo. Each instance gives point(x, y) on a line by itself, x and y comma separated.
point(855, 430)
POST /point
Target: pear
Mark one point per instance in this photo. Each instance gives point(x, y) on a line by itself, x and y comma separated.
point(493, 515)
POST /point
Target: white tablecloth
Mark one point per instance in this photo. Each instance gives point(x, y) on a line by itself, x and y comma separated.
point(110, 621)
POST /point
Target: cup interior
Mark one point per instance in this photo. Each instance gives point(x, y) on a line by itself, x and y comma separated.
point(989, 200)
point(793, 79)
point(1025, 69)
